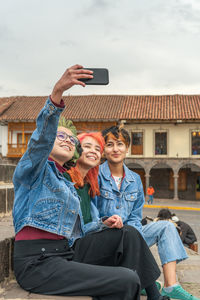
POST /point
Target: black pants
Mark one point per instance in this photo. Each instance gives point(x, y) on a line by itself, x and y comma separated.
point(100, 265)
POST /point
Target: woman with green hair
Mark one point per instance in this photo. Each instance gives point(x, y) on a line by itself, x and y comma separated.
point(48, 219)
point(63, 122)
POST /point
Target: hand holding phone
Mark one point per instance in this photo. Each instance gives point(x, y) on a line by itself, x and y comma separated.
point(100, 77)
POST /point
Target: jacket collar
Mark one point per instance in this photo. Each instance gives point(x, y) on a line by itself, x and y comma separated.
point(105, 171)
point(59, 174)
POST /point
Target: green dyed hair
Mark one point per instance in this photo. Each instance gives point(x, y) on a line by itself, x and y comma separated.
point(69, 125)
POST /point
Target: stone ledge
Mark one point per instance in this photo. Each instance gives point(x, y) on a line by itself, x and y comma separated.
point(6, 267)
point(12, 291)
point(6, 172)
point(6, 198)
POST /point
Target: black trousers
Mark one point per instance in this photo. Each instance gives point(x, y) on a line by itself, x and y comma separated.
point(105, 265)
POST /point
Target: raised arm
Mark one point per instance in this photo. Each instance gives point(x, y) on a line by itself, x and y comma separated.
point(42, 139)
point(68, 79)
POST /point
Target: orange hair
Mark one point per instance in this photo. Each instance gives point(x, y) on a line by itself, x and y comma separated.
point(92, 175)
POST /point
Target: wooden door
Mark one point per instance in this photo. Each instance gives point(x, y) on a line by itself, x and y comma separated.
point(198, 186)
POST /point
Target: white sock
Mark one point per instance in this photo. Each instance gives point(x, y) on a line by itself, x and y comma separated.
point(170, 288)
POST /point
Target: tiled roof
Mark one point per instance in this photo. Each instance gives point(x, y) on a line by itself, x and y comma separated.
point(24, 108)
point(109, 107)
point(5, 103)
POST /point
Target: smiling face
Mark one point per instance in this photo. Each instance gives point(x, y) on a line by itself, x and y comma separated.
point(91, 154)
point(63, 151)
point(115, 150)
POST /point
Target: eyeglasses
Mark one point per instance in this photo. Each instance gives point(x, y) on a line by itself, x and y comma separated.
point(62, 136)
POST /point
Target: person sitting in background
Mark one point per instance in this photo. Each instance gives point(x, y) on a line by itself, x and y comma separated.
point(166, 215)
point(187, 234)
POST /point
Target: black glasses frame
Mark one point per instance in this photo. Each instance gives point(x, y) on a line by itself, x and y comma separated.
point(73, 140)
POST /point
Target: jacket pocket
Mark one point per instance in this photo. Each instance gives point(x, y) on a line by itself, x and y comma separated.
point(131, 196)
point(107, 194)
point(130, 200)
point(47, 211)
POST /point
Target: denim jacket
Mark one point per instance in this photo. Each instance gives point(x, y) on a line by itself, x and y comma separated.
point(44, 198)
point(126, 202)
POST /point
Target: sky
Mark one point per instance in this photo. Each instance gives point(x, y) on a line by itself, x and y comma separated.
point(148, 46)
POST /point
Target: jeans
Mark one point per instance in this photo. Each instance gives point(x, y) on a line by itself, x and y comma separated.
point(150, 200)
point(165, 235)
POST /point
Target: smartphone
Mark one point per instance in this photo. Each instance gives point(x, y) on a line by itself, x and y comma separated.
point(100, 77)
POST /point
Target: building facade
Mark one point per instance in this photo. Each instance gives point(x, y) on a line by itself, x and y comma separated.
point(164, 130)
point(167, 156)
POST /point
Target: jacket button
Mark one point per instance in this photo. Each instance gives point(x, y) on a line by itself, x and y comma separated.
point(117, 207)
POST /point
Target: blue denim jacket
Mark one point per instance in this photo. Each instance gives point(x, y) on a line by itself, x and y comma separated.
point(44, 198)
point(126, 202)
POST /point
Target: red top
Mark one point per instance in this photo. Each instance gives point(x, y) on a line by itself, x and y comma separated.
point(150, 191)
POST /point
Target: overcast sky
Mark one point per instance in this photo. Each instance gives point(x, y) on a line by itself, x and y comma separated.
point(149, 46)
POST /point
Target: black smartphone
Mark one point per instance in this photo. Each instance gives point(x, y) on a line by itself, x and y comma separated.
point(100, 77)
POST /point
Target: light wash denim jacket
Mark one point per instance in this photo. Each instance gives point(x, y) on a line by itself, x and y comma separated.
point(44, 198)
point(126, 202)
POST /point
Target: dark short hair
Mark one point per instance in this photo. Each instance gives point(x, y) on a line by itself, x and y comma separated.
point(164, 214)
point(117, 131)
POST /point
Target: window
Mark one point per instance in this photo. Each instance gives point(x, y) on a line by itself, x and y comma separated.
point(195, 142)
point(161, 143)
point(137, 143)
point(27, 137)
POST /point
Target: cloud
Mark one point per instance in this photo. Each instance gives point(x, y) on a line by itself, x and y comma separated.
point(68, 43)
point(93, 7)
point(146, 45)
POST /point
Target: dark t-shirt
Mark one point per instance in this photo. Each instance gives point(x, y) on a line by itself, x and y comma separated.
point(187, 234)
point(85, 203)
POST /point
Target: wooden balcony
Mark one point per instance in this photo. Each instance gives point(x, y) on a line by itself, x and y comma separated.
point(16, 150)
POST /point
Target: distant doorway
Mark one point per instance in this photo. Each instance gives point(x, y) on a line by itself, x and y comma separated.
point(198, 186)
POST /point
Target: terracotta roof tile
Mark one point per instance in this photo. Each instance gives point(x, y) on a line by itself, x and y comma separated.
point(107, 107)
point(24, 108)
point(5, 103)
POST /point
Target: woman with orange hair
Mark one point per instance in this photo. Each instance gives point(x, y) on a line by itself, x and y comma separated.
point(85, 177)
point(115, 244)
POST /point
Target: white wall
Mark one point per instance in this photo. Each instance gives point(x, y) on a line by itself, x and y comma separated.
point(4, 139)
point(179, 139)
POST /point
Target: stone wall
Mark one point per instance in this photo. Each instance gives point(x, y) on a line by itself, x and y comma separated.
point(6, 264)
point(6, 172)
point(6, 199)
